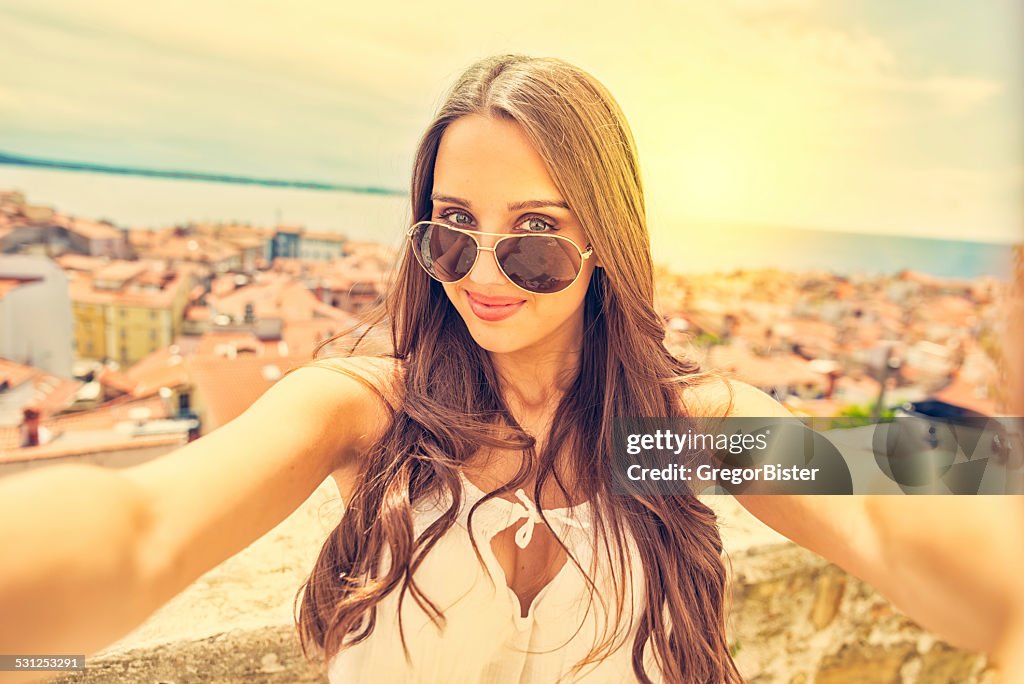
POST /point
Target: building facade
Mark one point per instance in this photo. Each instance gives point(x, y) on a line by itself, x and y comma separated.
point(35, 314)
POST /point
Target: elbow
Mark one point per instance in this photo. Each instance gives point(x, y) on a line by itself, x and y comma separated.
point(124, 597)
point(147, 564)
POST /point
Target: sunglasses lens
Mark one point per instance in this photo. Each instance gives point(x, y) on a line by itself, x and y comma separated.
point(443, 253)
point(539, 263)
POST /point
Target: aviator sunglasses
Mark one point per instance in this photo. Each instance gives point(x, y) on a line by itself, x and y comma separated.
point(539, 263)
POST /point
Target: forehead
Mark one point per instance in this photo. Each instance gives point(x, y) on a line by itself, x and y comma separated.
point(490, 161)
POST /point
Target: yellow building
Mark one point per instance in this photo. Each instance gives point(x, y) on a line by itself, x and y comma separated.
point(90, 329)
point(125, 310)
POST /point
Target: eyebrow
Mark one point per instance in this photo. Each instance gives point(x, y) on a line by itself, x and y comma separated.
point(513, 206)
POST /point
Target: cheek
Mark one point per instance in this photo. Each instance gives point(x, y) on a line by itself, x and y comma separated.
point(554, 310)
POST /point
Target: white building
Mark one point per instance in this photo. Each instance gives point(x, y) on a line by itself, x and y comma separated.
point(36, 327)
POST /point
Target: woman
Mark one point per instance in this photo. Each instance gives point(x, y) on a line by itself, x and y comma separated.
point(522, 323)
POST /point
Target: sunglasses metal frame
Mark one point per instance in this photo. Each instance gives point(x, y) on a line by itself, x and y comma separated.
point(584, 254)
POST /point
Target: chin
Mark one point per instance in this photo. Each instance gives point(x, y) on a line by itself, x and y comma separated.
point(497, 341)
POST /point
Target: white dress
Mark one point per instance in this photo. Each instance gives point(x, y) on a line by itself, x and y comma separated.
point(486, 639)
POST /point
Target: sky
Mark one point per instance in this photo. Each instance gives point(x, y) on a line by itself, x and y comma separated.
point(870, 116)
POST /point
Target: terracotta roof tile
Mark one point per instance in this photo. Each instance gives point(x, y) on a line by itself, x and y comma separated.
point(769, 371)
point(80, 262)
point(10, 283)
point(197, 313)
point(81, 290)
point(93, 230)
point(106, 416)
point(227, 387)
point(303, 336)
point(162, 368)
point(51, 394)
point(120, 270)
point(116, 380)
point(15, 373)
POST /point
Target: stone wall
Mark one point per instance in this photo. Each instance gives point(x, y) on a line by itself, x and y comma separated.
point(798, 619)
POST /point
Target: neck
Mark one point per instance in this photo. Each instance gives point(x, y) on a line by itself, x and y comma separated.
point(533, 379)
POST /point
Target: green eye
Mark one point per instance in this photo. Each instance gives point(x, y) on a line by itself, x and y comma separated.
point(456, 217)
point(535, 224)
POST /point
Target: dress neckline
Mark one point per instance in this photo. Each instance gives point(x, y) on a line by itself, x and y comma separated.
point(506, 514)
point(478, 494)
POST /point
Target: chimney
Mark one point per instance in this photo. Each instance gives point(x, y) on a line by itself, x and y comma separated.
point(193, 431)
point(30, 427)
point(830, 389)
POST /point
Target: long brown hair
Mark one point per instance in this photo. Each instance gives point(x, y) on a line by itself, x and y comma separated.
point(451, 405)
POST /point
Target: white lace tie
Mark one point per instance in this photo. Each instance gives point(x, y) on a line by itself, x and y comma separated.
point(527, 509)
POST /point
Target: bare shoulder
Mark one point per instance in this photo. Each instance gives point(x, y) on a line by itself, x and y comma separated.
point(722, 397)
point(382, 375)
point(377, 383)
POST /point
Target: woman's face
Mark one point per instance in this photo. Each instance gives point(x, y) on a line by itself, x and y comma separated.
point(486, 171)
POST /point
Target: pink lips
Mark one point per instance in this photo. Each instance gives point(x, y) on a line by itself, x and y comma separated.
point(493, 308)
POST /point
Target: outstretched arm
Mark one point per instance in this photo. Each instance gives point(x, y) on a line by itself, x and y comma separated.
point(952, 563)
point(90, 552)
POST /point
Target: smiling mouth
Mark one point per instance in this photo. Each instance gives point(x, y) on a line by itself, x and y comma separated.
point(495, 309)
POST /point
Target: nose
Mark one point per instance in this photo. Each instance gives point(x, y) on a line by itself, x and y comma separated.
point(485, 270)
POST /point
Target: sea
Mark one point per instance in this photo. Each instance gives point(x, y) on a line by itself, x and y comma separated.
point(686, 247)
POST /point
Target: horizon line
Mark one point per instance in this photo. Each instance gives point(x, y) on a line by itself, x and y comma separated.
point(64, 165)
point(320, 186)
